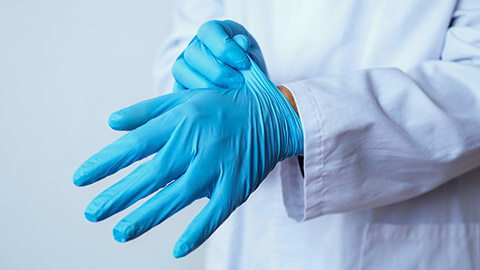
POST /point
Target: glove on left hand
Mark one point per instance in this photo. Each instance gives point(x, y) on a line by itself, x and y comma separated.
point(215, 143)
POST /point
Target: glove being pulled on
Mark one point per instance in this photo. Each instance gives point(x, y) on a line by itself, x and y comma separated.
point(215, 143)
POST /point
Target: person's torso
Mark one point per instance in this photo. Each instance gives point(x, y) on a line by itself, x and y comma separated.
point(307, 39)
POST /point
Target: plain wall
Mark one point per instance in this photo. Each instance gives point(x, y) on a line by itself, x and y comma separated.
point(64, 67)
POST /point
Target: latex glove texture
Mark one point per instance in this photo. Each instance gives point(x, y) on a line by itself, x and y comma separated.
point(215, 143)
point(215, 55)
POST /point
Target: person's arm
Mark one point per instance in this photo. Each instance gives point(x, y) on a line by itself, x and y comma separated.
point(187, 16)
point(289, 96)
point(379, 136)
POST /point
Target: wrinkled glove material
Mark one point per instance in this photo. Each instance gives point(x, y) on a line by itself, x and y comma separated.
point(215, 56)
point(216, 143)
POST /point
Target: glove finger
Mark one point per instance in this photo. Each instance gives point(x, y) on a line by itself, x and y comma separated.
point(216, 35)
point(198, 57)
point(136, 115)
point(163, 205)
point(143, 181)
point(203, 225)
point(178, 87)
point(131, 147)
point(242, 41)
point(188, 77)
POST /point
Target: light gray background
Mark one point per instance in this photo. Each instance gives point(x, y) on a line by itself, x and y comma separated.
point(64, 67)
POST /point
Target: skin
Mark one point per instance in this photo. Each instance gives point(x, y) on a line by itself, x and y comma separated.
point(286, 92)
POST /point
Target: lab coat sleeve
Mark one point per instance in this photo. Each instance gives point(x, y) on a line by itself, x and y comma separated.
point(379, 136)
point(187, 16)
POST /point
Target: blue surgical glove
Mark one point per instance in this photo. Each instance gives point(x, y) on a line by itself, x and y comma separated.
point(214, 56)
point(215, 143)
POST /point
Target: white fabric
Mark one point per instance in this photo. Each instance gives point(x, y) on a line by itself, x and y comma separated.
point(389, 97)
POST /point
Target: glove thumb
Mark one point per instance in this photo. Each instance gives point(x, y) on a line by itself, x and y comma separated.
point(242, 41)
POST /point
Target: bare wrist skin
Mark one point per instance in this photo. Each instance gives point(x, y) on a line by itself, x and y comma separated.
point(286, 92)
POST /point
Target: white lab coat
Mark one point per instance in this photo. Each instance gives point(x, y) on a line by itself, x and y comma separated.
point(388, 93)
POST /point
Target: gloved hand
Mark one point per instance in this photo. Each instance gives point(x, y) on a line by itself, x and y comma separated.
point(215, 143)
point(214, 56)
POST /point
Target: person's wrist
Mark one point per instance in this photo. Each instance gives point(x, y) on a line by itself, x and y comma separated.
point(289, 96)
point(296, 130)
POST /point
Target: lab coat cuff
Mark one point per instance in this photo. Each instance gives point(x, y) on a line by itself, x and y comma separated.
point(303, 196)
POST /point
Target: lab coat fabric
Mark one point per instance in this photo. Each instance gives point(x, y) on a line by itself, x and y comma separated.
point(388, 93)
